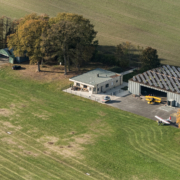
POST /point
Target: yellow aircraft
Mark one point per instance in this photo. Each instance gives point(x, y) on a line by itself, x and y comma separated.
point(153, 99)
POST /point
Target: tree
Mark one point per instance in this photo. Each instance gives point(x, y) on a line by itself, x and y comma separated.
point(124, 54)
point(81, 53)
point(45, 48)
point(27, 37)
point(60, 36)
point(73, 36)
point(149, 59)
point(7, 27)
point(178, 118)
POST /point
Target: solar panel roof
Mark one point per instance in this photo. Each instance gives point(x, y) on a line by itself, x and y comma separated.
point(165, 77)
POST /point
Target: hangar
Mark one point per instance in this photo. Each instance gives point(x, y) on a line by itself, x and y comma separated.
point(162, 82)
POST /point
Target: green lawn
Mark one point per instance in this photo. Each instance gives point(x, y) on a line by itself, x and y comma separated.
point(142, 22)
point(55, 135)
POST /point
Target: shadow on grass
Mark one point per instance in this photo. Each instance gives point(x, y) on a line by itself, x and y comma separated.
point(174, 124)
point(22, 68)
point(171, 124)
point(107, 49)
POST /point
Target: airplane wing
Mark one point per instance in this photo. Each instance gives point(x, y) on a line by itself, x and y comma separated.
point(162, 120)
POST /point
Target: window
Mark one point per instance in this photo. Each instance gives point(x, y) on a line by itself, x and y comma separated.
point(116, 81)
point(112, 83)
point(107, 85)
point(94, 89)
point(85, 86)
point(98, 89)
point(77, 84)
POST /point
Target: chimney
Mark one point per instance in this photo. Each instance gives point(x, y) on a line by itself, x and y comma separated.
point(97, 75)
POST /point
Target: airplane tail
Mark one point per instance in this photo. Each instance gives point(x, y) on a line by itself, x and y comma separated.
point(169, 119)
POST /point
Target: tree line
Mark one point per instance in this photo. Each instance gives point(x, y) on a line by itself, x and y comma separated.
point(70, 39)
point(127, 55)
point(67, 36)
point(7, 27)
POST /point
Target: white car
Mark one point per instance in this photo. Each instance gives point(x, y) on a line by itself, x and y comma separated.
point(106, 99)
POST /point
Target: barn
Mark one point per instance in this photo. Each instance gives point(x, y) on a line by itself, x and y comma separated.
point(162, 82)
point(9, 55)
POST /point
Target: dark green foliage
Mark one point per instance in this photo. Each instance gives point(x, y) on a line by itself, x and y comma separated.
point(149, 59)
point(116, 69)
point(130, 75)
point(72, 37)
point(7, 27)
point(107, 59)
point(124, 54)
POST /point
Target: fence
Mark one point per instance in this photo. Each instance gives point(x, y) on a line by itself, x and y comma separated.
point(92, 97)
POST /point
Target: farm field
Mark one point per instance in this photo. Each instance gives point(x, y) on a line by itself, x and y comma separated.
point(144, 23)
point(55, 135)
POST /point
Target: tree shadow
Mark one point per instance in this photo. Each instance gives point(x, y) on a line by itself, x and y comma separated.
point(134, 54)
point(107, 49)
point(51, 72)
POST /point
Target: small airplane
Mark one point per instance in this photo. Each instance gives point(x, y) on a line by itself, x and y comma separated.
point(163, 121)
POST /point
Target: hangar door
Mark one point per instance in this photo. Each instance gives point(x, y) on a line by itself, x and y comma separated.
point(145, 91)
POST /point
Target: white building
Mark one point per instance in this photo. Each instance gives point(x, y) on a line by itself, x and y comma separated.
point(97, 81)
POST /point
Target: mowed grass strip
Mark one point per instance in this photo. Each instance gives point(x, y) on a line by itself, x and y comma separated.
point(145, 23)
point(60, 136)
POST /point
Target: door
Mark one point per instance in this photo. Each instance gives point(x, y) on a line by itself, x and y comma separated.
point(101, 88)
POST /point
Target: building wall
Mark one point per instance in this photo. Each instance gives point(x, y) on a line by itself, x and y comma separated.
point(134, 87)
point(112, 83)
point(97, 88)
point(175, 97)
point(90, 88)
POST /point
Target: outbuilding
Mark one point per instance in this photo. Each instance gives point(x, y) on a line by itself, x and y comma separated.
point(11, 57)
point(163, 82)
point(97, 81)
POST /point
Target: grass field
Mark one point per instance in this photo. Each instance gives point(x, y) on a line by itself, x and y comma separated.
point(55, 135)
point(145, 23)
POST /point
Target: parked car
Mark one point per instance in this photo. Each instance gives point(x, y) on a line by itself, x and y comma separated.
point(16, 67)
point(106, 99)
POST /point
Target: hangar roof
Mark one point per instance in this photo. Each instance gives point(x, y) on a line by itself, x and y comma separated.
point(95, 76)
point(166, 78)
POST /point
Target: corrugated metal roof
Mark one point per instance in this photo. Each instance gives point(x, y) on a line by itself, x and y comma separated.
point(94, 77)
point(165, 78)
point(6, 52)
